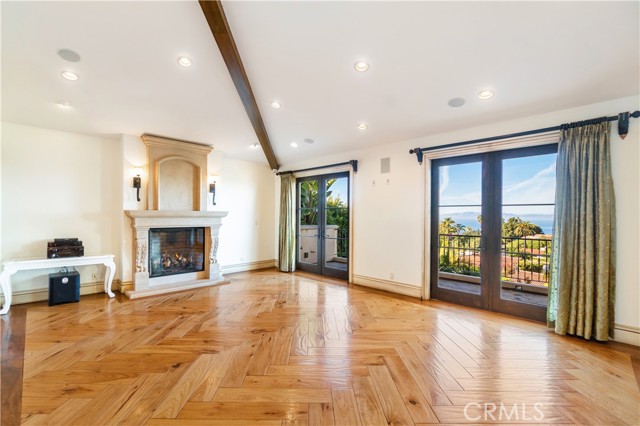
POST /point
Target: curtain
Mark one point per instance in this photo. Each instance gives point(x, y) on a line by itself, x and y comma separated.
point(582, 285)
point(287, 239)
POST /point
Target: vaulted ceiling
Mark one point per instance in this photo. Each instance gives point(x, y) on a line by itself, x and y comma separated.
point(536, 56)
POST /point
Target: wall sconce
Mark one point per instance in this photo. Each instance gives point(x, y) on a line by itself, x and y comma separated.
point(212, 188)
point(137, 180)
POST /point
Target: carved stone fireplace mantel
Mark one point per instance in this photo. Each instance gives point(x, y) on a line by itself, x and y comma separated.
point(144, 220)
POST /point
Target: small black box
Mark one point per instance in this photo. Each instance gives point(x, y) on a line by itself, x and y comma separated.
point(64, 287)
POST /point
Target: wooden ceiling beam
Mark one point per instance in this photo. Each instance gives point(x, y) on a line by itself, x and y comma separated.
point(217, 21)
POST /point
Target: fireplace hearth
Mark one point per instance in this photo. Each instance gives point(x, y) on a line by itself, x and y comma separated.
point(175, 251)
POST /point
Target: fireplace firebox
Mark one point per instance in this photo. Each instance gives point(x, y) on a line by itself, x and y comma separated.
point(175, 251)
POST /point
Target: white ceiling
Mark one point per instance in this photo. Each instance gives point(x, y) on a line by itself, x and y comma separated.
point(537, 57)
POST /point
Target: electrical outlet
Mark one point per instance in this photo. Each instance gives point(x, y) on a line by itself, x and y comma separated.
point(391, 275)
point(373, 183)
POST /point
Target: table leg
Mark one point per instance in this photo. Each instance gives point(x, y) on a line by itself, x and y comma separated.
point(108, 277)
point(5, 281)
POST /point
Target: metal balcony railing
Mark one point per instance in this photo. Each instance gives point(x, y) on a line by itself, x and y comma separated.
point(343, 243)
point(523, 259)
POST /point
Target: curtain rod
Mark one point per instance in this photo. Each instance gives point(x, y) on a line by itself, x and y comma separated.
point(623, 129)
point(353, 163)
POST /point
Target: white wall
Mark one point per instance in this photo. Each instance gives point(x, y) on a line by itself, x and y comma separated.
point(57, 184)
point(247, 191)
point(388, 219)
point(134, 156)
point(1, 125)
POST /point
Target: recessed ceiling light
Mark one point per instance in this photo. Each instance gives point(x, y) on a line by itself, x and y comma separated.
point(70, 75)
point(361, 66)
point(363, 126)
point(254, 146)
point(64, 104)
point(308, 140)
point(69, 55)
point(184, 61)
point(485, 94)
point(294, 145)
point(276, 104)
point(456, 102)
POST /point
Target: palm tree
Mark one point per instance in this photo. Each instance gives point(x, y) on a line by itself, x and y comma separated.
point(448, 226)
point(516, 227)
point(309, 200)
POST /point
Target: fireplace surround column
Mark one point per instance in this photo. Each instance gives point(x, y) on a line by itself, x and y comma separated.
point(214, 266)
point(141, 259)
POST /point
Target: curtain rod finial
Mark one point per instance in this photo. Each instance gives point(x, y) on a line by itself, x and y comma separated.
point(623, 124)
point(418, 153)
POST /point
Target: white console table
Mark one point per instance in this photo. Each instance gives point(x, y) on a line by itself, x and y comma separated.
point(10, 267)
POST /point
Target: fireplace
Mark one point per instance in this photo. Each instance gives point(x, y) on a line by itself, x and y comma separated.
point(202, 228)
point(176, 238)
point(175, 251)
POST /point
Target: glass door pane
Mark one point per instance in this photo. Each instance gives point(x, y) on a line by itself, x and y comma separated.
point(336, 226)
point(528, 197)
point(308, 214)
point(457, 248)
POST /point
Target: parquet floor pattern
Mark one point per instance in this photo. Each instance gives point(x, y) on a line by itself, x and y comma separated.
point(282, 349)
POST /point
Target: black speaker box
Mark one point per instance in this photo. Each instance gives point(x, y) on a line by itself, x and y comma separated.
point(64, 287)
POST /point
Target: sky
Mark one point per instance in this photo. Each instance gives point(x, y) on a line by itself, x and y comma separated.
point(339, 188)
point(526, 180)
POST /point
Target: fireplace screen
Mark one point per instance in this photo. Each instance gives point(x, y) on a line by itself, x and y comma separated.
point(175, 251)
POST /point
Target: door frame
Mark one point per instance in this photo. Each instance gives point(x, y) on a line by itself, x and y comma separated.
point(491, 233)
point(320, 268)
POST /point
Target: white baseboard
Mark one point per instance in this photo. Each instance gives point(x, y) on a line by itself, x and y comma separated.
point(249, 266)
point(386, 285)
point(627, 334)
point(40, 294)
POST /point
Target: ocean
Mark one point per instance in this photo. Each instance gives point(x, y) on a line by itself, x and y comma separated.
point(470, 219)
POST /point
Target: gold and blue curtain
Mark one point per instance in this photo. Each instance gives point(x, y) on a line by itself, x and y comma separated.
point(287, 236)
point(582, 285)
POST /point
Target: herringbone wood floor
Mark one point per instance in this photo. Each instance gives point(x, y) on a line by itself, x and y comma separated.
point(280, 349)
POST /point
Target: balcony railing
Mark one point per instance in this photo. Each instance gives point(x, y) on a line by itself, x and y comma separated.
point(343, 243)
point(523, 259)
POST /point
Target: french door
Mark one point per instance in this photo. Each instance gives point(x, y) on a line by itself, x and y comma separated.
point(322, 234)
point(491, 230)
